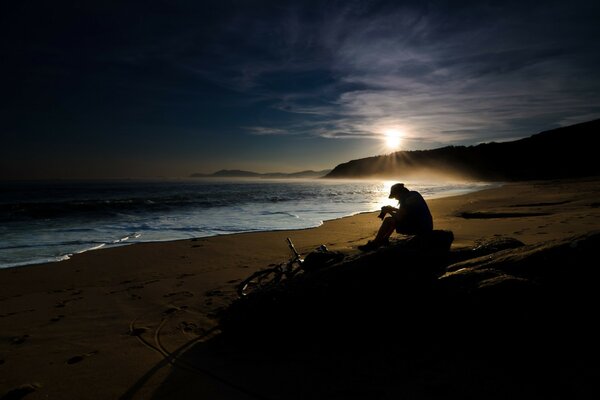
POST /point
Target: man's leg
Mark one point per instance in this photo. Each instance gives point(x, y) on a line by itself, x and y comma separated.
point(385, 230)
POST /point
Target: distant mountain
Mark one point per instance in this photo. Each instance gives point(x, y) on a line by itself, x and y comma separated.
point(234, 173)
point(559, 153)
point(228, 173)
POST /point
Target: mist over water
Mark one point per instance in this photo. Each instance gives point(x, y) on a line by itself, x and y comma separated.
point(50, 221)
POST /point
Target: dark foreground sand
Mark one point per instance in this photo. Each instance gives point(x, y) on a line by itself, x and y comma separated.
point(109, 324)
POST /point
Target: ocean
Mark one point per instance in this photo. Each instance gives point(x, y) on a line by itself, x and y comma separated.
point(50, 221)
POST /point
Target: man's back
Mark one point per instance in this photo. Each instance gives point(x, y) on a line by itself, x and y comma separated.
point(416, 215)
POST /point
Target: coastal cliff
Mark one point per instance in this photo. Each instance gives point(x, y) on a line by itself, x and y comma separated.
point(566, 152)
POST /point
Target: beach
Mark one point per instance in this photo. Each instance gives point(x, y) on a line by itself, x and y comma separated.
point(105, 324)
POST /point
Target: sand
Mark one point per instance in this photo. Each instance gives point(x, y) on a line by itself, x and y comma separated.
point(105, 324)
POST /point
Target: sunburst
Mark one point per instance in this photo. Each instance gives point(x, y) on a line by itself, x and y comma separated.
point(393, 138)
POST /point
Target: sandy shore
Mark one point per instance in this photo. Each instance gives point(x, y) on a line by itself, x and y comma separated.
point(102, 325)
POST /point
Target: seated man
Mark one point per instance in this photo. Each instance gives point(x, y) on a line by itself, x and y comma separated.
point(412, 217)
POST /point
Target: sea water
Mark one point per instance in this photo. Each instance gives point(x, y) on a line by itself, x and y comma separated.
point(50, 221)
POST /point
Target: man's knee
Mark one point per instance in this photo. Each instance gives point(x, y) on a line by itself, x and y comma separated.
point(389, 221)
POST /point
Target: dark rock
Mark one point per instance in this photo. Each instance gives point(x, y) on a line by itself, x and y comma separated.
point(483, 248)
point(560, 263)
point(505, 285)
point(546, 290)
point(512, 321)
point(371, 284)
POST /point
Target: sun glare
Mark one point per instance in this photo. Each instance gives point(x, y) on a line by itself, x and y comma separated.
point(393, 138)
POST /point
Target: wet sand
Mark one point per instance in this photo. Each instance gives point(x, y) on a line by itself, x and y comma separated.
point(106, 324)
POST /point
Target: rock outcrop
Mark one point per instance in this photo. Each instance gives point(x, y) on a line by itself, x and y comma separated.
point(500, 320)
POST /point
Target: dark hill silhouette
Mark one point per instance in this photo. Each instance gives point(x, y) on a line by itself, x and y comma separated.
point(566, 152)
point(229, 173)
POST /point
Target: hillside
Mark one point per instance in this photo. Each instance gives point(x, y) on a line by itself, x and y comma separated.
point(559, 153)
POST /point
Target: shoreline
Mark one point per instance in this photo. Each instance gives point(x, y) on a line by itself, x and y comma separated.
point(67, 325)
point(122, 243)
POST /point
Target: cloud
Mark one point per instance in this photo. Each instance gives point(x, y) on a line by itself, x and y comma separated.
point(576, 119)
point(442, 77)
point(455, 73)
point(266, 131)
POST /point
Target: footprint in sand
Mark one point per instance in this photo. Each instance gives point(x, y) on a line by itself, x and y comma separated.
point(10, 314)
point(77, 359)
point(135, 287)
point(171, 310)
point(138, 331)
point(215, 313)
point(183, 293)
point(21, 391)
point(191, 328)
point(19, 339)
point(63, 303)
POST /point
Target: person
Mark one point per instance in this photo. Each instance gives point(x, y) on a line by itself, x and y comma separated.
point(412, 217)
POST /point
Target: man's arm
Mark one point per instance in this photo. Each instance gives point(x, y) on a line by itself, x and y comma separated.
point(387, 210)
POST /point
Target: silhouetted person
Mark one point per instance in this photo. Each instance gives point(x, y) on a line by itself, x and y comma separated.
point(412, 217)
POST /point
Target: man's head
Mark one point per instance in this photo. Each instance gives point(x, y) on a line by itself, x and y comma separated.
point(397, 191)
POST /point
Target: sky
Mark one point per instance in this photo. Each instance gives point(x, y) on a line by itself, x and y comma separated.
point(168, 88)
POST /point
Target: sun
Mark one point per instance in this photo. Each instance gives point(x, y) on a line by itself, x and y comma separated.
point(393, 137)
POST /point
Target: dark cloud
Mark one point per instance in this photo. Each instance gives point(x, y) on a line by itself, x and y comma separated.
point(441, 71)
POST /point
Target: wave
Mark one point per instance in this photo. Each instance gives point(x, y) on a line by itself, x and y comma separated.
point(289, 214)
point(71, 243)
point(91, 248)
point(88, 201)
point(117, 208)
point(36, 261)
point(44, 252)
point(126, 238)
point(46, 245)
point(90, 208)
